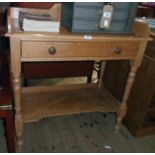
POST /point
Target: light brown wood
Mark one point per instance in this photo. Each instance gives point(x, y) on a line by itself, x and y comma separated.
point(67, 49)
point(32, 104)
point(16, 80)
point(37, 105)
point(134, 67)
point(76, 59)
point(45, 89)
point(141, 29)
point(123, 106)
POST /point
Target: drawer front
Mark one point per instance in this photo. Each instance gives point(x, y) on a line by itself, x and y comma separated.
point(32, 49)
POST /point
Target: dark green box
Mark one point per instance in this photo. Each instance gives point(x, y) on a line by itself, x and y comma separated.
point(85, 17)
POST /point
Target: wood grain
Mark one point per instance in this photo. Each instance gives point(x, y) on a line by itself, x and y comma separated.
point(77, 49)
point(69, 46)
point(60, 102)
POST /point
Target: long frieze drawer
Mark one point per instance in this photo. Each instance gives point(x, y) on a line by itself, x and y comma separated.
point(32, 49)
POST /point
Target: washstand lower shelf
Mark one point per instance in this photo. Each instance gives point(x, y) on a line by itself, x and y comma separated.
point(40, 102)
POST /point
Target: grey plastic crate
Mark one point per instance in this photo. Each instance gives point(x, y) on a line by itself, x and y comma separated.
point(85, 16)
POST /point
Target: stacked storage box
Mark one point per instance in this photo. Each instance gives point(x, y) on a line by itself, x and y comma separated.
point(85, 17)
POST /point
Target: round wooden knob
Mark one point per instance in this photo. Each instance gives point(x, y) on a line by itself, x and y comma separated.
point(52, 50)
point(118, 50)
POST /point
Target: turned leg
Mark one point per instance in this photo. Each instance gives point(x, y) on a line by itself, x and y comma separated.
point(123, 107)
point(16, 81)
point(18, 110)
